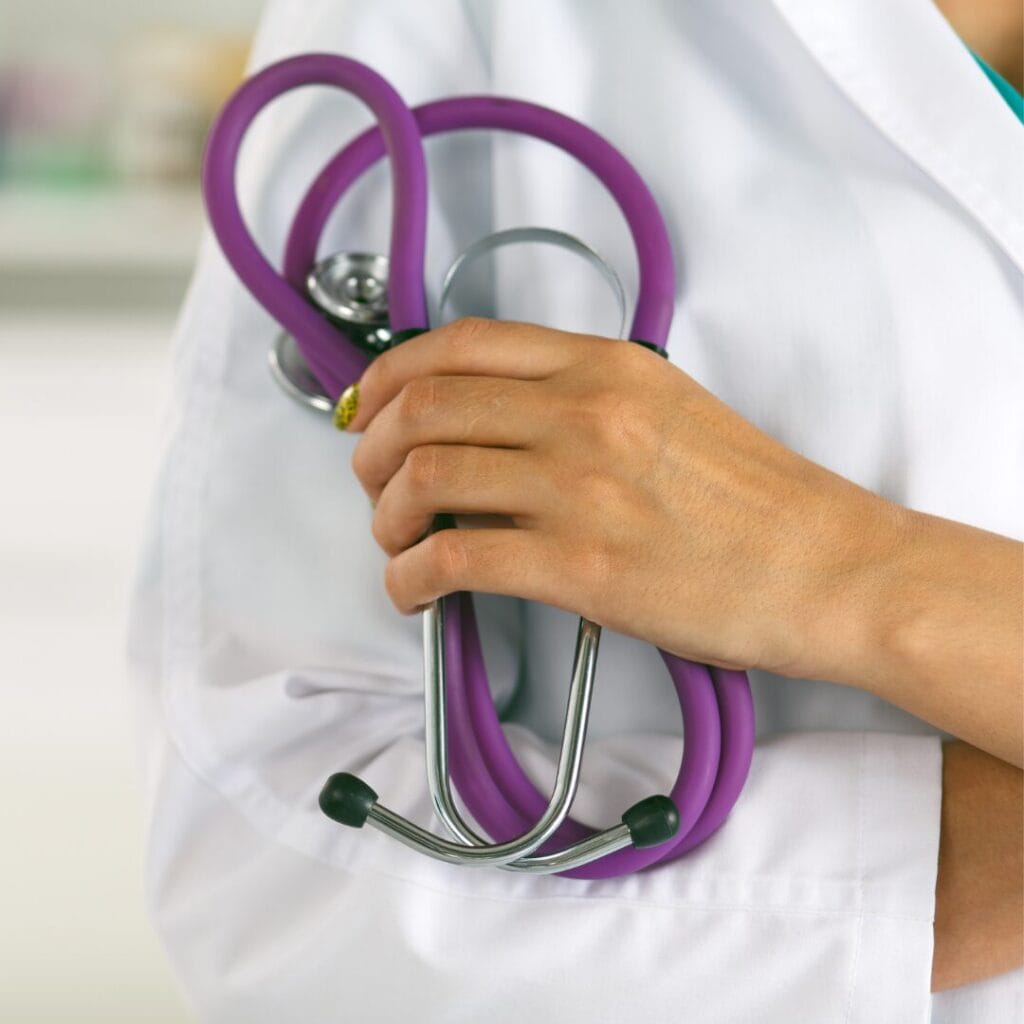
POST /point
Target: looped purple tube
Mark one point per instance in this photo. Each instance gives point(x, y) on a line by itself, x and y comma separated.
point(331, 357)
point(716, 704)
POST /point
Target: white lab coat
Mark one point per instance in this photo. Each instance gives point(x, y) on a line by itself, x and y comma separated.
point(843, 189)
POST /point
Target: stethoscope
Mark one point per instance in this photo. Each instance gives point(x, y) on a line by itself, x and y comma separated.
point(337, 314)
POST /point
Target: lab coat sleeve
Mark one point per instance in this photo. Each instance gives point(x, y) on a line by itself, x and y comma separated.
point(265, 656)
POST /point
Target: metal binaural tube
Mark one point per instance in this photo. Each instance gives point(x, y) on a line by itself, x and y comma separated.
point(567, 775)
point(586, 851)
point(345, 798)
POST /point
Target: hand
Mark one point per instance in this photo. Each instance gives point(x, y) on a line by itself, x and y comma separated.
point(628, 494)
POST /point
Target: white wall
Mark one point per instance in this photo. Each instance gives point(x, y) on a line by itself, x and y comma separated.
point(80, 395)
point(79, 401)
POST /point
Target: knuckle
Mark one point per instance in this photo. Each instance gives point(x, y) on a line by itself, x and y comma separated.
point(611, 420)
point(418, 398)
point(447, 559)
point(465, 333)
point(423, 468)
point(592, 413)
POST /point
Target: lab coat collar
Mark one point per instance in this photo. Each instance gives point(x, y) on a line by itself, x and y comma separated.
point(908, 72)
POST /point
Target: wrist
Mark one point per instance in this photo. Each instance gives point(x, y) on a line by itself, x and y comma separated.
point(879, 611)
point(850, 607)
point(924, 613)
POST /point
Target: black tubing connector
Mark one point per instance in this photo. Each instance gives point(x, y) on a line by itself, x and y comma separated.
point(656, 349)
point(347, 799)
point(652, 821)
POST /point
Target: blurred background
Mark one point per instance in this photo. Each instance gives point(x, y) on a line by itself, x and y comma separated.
point(103, 111)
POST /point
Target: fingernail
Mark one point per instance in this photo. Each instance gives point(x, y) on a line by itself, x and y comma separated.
point(347, 406)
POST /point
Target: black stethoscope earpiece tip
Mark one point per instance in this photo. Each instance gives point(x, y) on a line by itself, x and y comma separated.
point(347, 799)
point(652, 821)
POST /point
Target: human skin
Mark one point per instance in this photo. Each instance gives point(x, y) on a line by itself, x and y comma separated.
point(692, 529)
point(979, 904)
point(993, 29)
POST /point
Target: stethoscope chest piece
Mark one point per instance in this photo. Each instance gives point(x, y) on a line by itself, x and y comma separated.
point(351, 290)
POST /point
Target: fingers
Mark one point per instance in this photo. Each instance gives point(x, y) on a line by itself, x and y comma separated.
point(480, 411)
point(469, 347)
point(515, 562)
point(457, 479)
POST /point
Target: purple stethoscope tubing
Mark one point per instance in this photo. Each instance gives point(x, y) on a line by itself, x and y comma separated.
point(716, 703)
point(335, 363)
point(655, 302)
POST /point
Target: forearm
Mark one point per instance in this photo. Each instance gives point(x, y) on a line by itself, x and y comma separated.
point(979, 905)
point(929, 617)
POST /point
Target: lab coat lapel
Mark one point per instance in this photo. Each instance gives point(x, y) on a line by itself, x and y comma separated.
point(903, 66)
